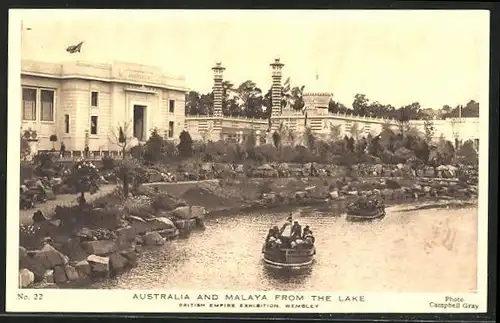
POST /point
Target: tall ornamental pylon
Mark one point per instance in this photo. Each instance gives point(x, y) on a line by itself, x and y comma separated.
point(277, 68)
point(218, 70)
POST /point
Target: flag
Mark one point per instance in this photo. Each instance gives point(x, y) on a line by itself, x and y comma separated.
point(74, 48)
point(286, 85)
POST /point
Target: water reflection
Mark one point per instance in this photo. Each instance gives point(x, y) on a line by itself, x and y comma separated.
point(286, 275)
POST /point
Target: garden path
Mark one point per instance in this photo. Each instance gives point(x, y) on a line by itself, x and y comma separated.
point(48, 207)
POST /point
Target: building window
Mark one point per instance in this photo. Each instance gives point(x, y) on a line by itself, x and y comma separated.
point(47, 105)
point(170, 129)
point(171, 106)
point(66, 123)
point(94, 99)
point(93, 125)
point(29, 104)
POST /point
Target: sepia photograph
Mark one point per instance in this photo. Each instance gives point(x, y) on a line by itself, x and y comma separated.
point(248, 160)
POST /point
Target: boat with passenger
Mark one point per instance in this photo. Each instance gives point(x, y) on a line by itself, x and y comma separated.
point(289, 246)
point(365, 210)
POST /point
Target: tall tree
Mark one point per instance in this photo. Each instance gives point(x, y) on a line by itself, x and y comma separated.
point(360, 104)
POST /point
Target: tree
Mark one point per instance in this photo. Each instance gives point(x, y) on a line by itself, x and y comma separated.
point(193, 103)
point(429, 129)
point(335, 132)
point(360, 104)
point(250, 142)
point(85, 178)
point(310, 140)
point(276, 139)
point(355, 130)
point(185, 145)
point(125, 169)
point(467, 154)
point(154, 148)
point(249, 99)
point(53, 139)
point(336, 107)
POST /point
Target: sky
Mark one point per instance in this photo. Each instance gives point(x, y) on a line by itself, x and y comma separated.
point(394, 57)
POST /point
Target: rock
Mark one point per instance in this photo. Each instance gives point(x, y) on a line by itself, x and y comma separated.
point(22, 252)
point(198, 212)
point(48, 276)
point(427, 189)
point(387, 194)
point(392, 184)
point(153, 239)
point(353, 193)
point(37, 267)
point(26, 278)
point(334, 194)
point(55, 223)
point(139, 225)
point(71, 273)
point(125, 237)
point(428, 172)
point(182, 212)
point(169, 234)
point(417, 187)
point(117, 262)
point(139, 240)
point(99, 247)
point(50, 257)
point(300, 194)
point(83, 268)
point(73, 249)
point(98, 265)
point(38, 217)
point(131, 256)
point(160, 224)
point(60, 275)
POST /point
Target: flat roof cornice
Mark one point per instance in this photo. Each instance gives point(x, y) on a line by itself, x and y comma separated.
point(108, 80)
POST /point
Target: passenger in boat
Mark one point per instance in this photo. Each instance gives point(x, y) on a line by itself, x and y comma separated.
point(296, 230)
point(306, 231)
point(287, 223)
point(309, 238)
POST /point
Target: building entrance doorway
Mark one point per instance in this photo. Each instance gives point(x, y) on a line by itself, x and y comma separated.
point(139, 122)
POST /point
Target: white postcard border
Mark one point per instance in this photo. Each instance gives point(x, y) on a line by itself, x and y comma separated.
point(106, 301)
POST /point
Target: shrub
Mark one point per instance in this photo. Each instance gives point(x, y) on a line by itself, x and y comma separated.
point(85, 177)
point(466, 154)
point(25, 149)
point(264, 153)
point(108, 163)
point(185, 145)
point(45, 164)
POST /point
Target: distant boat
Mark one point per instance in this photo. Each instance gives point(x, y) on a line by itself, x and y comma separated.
point(365, 215)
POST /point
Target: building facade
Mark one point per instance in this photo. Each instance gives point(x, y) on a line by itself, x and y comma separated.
point(315, 117)
point(83, 104)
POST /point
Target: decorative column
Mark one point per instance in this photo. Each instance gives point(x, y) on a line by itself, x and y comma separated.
point(277, 67)
point(218, 70)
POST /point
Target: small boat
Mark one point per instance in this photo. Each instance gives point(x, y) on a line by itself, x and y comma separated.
point(365, 215)
point(299, 257)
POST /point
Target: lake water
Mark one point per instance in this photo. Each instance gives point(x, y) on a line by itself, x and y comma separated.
point(431, 250)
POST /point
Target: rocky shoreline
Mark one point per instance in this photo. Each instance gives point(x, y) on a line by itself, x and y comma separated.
point(77, 245)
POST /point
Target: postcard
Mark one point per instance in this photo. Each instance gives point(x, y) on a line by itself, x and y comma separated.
point(243, 161)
